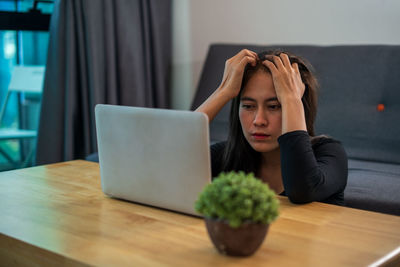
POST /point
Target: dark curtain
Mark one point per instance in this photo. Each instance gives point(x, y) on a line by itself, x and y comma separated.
point(102, 51)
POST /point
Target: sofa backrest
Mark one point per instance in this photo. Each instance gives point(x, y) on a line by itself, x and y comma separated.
point(353, 80)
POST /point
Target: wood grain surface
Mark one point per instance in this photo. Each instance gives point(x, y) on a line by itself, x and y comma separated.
point(57, 214)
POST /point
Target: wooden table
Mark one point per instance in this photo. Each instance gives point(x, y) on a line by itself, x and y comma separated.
point(57, 214)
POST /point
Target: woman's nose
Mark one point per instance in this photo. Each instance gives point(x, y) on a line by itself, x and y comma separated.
point(260, 118)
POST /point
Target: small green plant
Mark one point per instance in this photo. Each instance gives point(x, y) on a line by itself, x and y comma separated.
point(238, 198)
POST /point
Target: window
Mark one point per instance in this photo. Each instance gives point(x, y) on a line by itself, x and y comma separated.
point(23, 41)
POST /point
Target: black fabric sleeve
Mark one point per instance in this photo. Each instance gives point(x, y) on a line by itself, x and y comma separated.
point(217, 152)
point(312, 173)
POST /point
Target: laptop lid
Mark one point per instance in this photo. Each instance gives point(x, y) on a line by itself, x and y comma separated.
point(156, 157)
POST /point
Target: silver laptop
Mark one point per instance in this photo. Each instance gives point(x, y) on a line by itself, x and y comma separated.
point(156, 157)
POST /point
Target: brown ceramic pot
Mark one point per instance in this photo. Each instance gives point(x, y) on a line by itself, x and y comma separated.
point(241, 241)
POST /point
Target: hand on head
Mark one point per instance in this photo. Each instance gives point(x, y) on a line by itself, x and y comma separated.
point(286, 77)
point(234, 69)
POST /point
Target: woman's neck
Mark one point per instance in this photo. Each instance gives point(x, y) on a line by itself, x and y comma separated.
point(271, 159)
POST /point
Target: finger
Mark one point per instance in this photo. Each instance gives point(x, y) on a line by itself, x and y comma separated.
point(246, 60)
point(271, 66)
point(246, 52)
point(243, 53)
point(295, 66)
point(278, 63)
point(285, 59)
point(252, 54)
point(236, 59)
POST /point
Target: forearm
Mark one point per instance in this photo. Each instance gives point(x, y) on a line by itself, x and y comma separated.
point(311, 174)
point(293, 117)
point(214, 103)
point(300, 173)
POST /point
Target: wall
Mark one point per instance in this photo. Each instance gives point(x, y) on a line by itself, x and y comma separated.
point(197, 24)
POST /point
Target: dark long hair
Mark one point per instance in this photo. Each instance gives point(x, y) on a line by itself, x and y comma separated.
point(238, 154)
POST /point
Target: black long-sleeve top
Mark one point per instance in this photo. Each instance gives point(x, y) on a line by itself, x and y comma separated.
point(311, 170)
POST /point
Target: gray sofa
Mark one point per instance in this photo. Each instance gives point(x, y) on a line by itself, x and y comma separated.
point(354, 80)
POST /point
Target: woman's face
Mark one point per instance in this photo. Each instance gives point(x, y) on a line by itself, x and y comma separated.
point(260, 113)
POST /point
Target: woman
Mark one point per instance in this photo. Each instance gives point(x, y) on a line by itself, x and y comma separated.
point(272, 128)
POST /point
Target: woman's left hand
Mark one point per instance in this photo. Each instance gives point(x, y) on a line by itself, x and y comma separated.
point(289, 90)
point(286, 78)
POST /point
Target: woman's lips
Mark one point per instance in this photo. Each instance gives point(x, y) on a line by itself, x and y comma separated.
point(260, 136)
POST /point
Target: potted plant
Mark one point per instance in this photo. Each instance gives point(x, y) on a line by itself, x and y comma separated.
point(237, 209)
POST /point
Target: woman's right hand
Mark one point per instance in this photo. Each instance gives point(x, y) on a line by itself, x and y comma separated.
point(230, 85)
point(234, 69)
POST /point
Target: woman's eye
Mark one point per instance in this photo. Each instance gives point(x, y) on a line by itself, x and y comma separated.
point(247, 106)
point(274, 107)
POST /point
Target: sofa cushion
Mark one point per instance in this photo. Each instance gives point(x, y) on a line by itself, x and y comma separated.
point(373, 186)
